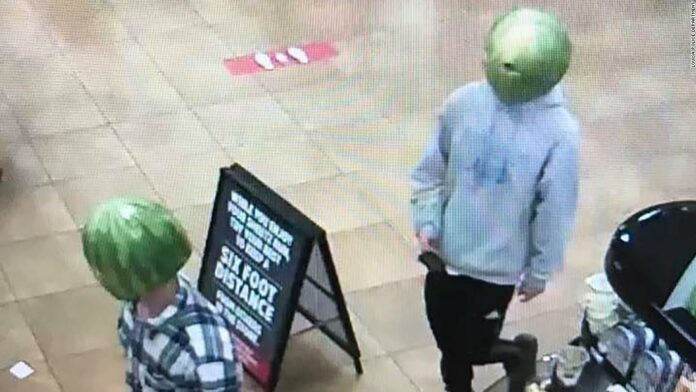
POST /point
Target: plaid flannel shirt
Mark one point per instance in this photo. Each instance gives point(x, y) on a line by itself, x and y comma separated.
point(188, 347)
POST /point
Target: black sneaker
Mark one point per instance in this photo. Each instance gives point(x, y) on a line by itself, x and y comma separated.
point(525, 371)
point(529, 349)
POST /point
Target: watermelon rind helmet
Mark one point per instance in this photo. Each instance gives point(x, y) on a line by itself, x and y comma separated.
point(133, 246)
point(527, 53)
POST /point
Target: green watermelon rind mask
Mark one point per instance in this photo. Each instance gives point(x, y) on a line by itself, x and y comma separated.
point(133, 246)
point(527, 53)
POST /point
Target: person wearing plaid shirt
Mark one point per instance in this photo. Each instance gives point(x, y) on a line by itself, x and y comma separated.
point(174, 338)
point(186, 347)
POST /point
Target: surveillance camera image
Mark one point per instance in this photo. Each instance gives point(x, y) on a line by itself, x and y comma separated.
point(346, 195)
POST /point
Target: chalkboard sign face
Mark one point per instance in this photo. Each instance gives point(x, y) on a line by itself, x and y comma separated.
point(256, 254)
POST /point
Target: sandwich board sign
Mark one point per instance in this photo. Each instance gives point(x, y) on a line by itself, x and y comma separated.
point(264, 260)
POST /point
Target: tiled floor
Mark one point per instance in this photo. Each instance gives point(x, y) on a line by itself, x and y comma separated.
point(100, 98)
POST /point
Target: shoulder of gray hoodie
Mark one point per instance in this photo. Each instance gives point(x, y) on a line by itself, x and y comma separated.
point(548, 138)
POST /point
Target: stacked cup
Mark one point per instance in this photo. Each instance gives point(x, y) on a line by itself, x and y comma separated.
point(600, 304)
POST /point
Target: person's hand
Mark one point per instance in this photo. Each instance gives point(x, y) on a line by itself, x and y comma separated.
point(427, 243)
point(528, 294)
point(530, 288)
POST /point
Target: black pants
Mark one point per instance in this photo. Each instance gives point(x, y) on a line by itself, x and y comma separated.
point(466, 316)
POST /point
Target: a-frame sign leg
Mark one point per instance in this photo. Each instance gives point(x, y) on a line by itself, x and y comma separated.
point(354, 350)
point(324, 292)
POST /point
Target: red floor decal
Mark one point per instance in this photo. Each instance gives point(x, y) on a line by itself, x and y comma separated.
point(246, 65)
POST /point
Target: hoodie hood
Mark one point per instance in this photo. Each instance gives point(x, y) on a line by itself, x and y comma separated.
point(553, 99)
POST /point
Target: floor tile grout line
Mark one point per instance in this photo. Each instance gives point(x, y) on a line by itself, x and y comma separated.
point(63, 291)
point(404, 373)
point(13, 112)
point(189, 107)
point(29, 141)
point(432, 344)
point(41, 237)
point(32, 330)
point(107, 122)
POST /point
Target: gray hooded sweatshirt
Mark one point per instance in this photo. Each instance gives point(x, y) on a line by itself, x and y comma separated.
point(498, 184)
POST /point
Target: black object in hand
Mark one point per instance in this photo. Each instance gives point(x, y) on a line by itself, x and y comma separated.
point(432, 261)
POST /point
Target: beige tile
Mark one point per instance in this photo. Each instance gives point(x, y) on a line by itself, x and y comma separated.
point(129, 88)
point(5, 291)
point(329, 20)
point(345, 130)
point(673, 173)
point(46, 98)
point(253, 121)
point(334, 104)
point(394, 90)
point(363, 52)
point(192, 269)
point(372, 256)
point(612, 194)
point(37, 80)
point(23, 35)
point(216, 11)
point(53, 320)
point(81, 23)
point(660, 129)
point(585, 254)
point(304, 338)
point(156, 16)
point(553, 329)
point(369, 345)
point(41, 381)
point(298, 76)
point(486, 376)
point(45, 265)
point(406, 326)
point(70, 112)
point(10, 131)
point(16, 341)
point(281, 164)
point(244, 35)
point(80, 153)
point(107, 371)
point(192, 59)
point(82, 195)
point(32, 213)
point(22, 167)
point(333, 203)
point(379, 146)
point(389, 190)
point(169, 135)
point(196, 221)
point(392, 47)
point(423, 367)
point(403, 224)
point(188, 180)
point(381, 374)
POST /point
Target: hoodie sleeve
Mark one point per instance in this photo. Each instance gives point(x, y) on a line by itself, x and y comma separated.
point(557, 196)
point(428, 180)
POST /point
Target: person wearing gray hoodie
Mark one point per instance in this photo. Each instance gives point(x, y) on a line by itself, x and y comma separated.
point(495, 193)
